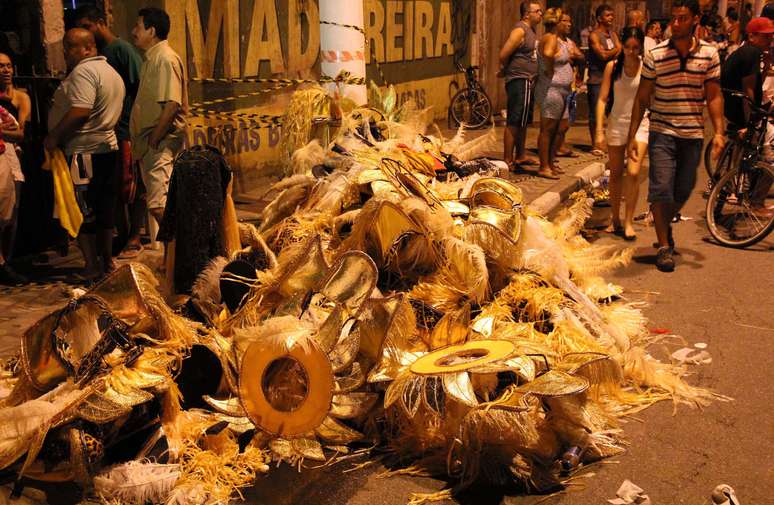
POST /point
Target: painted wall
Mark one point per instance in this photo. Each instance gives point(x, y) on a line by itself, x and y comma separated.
point(409, 42)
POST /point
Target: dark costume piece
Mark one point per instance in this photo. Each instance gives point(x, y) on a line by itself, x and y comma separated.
point(194, 212)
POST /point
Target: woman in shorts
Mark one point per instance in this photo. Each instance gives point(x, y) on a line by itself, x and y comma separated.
point(619, 88)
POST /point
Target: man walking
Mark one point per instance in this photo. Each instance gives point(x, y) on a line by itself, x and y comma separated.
point(125, 60)
point(680, 75)
point(603, 47)
point(518, 64)
point(157, 122)
point(82, 120)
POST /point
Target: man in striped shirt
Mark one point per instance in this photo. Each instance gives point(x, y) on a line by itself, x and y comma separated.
point(679, 76)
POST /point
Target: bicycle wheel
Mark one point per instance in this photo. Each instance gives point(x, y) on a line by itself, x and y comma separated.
point(471, 107)
point(736, 206)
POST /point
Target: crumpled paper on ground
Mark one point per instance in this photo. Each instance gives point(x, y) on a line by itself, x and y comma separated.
point(630, 493)
point(696, 355)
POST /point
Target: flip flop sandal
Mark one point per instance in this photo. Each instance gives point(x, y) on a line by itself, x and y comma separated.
point(547, 175)
point(597, 152)
point(130, 252)
point(567, 154)
point(529, 162)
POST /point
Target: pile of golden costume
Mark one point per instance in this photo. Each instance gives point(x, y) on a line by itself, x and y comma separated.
point(396, 292)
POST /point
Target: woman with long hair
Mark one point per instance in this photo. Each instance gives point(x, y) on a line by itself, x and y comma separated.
point(619, 86)
point(555, 77)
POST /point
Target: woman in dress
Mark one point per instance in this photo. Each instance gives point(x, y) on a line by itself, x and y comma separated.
point(619, 87)
point(555, 77)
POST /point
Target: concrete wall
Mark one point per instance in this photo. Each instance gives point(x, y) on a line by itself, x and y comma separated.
point(411, 42)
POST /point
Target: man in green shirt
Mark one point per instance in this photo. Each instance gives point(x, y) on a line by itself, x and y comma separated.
point(126, 60)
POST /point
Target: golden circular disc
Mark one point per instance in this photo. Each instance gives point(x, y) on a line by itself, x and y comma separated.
point(458, 358)
point(310, 412)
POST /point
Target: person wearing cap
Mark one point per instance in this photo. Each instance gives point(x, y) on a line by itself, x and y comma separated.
point(742, 72)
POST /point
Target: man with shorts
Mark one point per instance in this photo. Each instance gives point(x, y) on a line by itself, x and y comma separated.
point(157, 122)
point(679, 75)
point(125, 59)
point(518, 64)
point(82, 120)
point(603, 47)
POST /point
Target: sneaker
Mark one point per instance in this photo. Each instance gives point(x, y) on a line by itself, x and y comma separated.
point(664, 260)
point(11, 277)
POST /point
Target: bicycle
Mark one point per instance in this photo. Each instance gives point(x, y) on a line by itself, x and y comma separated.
point(730, 154)
point(471, 105)
point(738, 213)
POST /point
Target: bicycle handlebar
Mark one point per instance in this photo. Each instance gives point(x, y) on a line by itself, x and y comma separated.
point(762, 109)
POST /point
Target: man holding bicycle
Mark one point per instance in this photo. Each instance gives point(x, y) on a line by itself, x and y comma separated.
point(743, 71)
point(680, 75)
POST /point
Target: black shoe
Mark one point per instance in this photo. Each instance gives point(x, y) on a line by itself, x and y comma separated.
point(664, 260)
point(10, 277)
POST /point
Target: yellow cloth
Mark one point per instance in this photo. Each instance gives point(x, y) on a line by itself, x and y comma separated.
point(65, 206)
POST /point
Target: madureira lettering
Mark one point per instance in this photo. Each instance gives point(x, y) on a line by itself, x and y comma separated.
point(396, 31)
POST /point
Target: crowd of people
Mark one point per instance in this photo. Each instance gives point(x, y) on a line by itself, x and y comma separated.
point(647, 89)
point(118, 118)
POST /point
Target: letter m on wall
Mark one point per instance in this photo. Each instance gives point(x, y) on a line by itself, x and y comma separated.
point(223, 19)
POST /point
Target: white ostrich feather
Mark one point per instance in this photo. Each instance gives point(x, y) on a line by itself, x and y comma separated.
point(137, 482)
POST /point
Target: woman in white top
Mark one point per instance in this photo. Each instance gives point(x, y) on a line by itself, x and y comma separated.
point(619, 85)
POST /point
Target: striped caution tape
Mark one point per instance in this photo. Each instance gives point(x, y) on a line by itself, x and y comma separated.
point(367, 42)
point(333, 23)
point(343, 78)
point(246, 117)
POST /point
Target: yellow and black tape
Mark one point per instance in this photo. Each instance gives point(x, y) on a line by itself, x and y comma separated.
point(343, 78)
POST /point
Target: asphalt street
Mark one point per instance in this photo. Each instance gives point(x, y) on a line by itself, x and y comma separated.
point(718, 296)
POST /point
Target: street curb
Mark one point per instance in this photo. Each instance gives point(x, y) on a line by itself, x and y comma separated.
point(549, 201)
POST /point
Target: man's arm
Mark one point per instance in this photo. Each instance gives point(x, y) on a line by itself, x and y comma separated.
point(617, 46)
point(748, 88)
point(601, 52)
point(715, 106)
point(69, 124)
point(641, 103)
point(165, 123)
point(515, 40)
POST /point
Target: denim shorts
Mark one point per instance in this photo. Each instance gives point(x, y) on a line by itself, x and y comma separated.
point(673, 164)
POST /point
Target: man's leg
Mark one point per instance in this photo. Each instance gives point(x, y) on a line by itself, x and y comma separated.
point(105, 175)
point(592, 94)
point(524, 121)
point(689, 152)
point(662, 150)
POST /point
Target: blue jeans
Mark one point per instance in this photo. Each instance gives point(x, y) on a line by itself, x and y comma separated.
point(673, 164)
